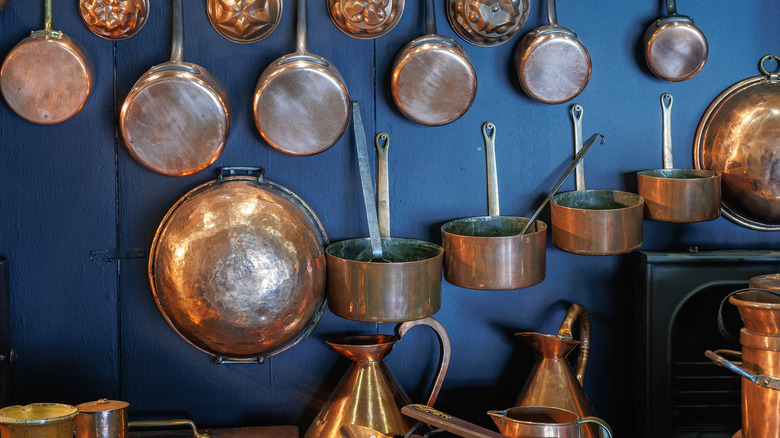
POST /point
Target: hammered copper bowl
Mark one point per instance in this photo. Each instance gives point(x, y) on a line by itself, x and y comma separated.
point(237, 267)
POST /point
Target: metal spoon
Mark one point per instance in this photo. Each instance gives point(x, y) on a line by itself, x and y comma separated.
point(368, 185)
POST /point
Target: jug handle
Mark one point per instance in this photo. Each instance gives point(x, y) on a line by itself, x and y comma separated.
point(444, 345)
point(578, 312)
point(606, 431)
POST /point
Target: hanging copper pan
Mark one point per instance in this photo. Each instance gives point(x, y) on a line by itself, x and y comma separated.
point(112, 19)
point(739, 136)
point(237, 267)
point(487, 23)
point(365, 20)
point(675, 49)
point(244, 21)
point(47, 77)
point(176, 118)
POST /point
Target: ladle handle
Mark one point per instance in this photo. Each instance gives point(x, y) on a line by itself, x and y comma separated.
point(302, 29)
point(552, 14)
point(666, 108)
point(365, 179)
point(579, 172)
point(578, 313)
point(382, 144)
point(177, 31)
point(444, 357)
point(430, 18)
point(489, 134)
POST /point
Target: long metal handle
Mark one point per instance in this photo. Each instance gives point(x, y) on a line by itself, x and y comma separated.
point(666, 108)
point(671, 7)
point(578, 313)
point(169, 423)
point(552, 14)
point(762, 380)
point(444, 357)
point(47, 24)
point(382, 144)
point(301, 30)
point(605, 429)
point(430, 18)
point(447, 422)
point(579, 172)
point(489, 134)
point(365, 179)
point(177, 32)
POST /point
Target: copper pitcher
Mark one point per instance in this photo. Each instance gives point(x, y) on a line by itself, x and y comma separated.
point(544, 422)
point(552, 382)
point(368, 394)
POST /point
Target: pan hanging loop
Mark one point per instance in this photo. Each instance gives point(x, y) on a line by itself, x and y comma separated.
point(776, 74)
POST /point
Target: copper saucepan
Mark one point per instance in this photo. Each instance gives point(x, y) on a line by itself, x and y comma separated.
point(675, 49)
point(433, 80)
point(176, 118)
point(595, 222)
point(244, 21)
point(47, 77)
point(487, 23)
point(112, 19)
point(382, 279)
point(678, 195)
point(365, 20)
point(301, 104)
point(553, 65)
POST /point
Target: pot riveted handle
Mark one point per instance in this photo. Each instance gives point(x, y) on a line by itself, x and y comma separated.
point(169, 423)
point(606, 431)
point(444, 357)
point(47, 23)
point(666, 109)
point(489, 134)
point(578, 312)
point(382, 144)
point(762, 380)
point(579, 172)
point(722, 325)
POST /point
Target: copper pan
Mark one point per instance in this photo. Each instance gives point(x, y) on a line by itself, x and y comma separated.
point(112, 19)
point(553, 65)
point(487, 23)
point(675, 49)
point(176, 118)
point(678, 195)
point(365, 20)
point(433, 80)
point(382, 278)
point(47, 77)
point(301, 104)
point(595, 222)
point(244, 21)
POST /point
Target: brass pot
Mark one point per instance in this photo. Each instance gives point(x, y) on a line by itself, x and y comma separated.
point(38, 420)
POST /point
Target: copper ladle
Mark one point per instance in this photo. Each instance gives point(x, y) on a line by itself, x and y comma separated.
point(114, 19)
point(244, 21)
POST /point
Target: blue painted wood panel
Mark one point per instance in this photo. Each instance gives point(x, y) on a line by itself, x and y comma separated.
point(87, 327)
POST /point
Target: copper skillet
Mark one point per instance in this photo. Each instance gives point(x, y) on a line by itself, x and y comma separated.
point(675, 49)
point(365, 20)
point(175, 120)
point(433, 81)
point(112, 19)
point(553, 65)
point(301, 104)
point(47, 77)
point(485, 23)
point(244, 21)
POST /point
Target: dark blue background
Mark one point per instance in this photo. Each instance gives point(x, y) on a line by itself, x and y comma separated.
point(86, 327)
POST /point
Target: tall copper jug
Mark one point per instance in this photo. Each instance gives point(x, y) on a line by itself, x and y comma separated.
point(552, 381)
point(368, 395)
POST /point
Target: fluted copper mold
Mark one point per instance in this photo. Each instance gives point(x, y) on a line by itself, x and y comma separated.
point(244, 21)
point(487, 22)
point(114, 19)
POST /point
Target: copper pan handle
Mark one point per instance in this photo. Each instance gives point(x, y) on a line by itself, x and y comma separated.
point(552, 14)
point(671, 7)
point(177, 32)
point(47, 23)
point(444, 357)
point(301, 30)
point(579, 172)
point(666, 109)
point(169, 423)
point(382, 144)
point(489, 134)
point(762, 380)
point(430, 18)
point(578, 312)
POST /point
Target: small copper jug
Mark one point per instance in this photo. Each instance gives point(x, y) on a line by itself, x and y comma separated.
point(552, 382)
point(368, 394)
point(544, 422)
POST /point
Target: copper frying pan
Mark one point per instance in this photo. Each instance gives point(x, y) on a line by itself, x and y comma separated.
point(244, 21)
point(301, 104)
point(112, 19)
point(47, 77)
point(675, 49)
point(175, 120)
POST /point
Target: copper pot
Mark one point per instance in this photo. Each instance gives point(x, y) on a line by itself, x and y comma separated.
point(47, 77)
point(365, 20)
point(675, 49)
point(176, 118)
point(244, 21)
point(487, 23)
point(38, 420)
point(237, 267)
point(678, 195)
point(112, 19)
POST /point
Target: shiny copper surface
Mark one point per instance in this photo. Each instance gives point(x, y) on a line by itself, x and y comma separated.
point(368, 395)
point(244, 21)
point(114, 19)
point(739, 136)
point(365, 19)
point(487, 22)
point(759, 309)
point(38, 420)
point(675, 49)
point(543, 422)
point(102, 419)
point(760, 355)
point(237, 267)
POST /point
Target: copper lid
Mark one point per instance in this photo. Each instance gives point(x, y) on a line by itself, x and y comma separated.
point(102, 405)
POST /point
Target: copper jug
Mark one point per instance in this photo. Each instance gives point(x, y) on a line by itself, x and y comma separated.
point(368, 395)
point(552, 382)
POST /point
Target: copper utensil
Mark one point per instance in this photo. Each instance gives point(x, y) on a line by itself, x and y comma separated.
point(553, 65)
point(114, 19)
point(739, 136)
point(365, 19)
point(487, 23)
point(433, 80)
point(678, 195)
point(47, 77)
point(244, 21)
point(38, 420)
point(544, 422)
point(109, 419)
point(675, 49)
point(176, 118)
point(301, 104)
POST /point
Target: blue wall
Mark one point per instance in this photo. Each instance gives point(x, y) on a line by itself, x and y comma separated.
point(86, 327)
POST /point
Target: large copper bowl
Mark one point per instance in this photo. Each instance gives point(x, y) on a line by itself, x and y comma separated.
point(237, 267)
point(739, 136)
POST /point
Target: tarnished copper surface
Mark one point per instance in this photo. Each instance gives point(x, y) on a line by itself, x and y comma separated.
point(739, 136)
point(38, 420)
point(487, 22)
point(675, 49)
point(237, 267)
point(759, 308)
point(114, 19)
point(102, 419)
point(543, 422)
point(244, 21)
point(760, 355)
point(365, 19)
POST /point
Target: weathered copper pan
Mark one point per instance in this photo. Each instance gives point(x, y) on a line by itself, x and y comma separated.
point(678, 195)
point(112, 19)
point(675, 49)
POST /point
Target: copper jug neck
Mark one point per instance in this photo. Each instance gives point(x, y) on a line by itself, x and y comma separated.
point(549, 346)
point(364, 348)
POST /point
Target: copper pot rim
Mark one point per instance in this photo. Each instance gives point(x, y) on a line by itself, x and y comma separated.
point(681, 175)
point(433, 252)
point(558, 200)
point(63, 412)
point(536, 228)
point(748, 299)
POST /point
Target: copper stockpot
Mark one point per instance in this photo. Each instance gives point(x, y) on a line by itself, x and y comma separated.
point(553, 65)
point(595, 222)
point(365, 20)
point(237, 267)
point(301, 104)
point(38, 420)
point(176, 118)
point(487, 23)
point(678, 195)
point(433, 81)
point(47, 77)
point(244, 21)
point(488, 252)
point(675, 49)
point(114, 19)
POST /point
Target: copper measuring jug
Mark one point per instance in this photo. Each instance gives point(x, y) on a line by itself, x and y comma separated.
point(544, 422)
